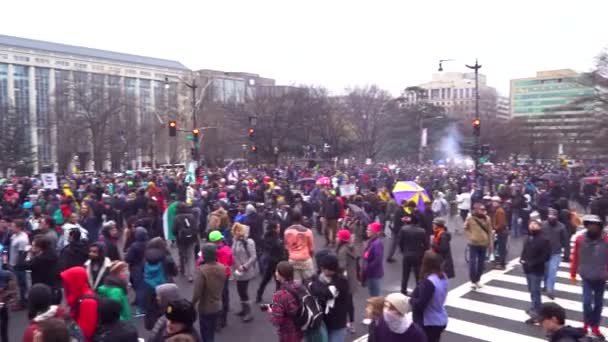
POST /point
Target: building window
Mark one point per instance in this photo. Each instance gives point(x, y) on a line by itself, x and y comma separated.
point(62, 63)
point(115, 70)
point(131, 71)
point(22, 95)
point(144, 73)
point(98, 67)
point(3, 87)
point(21, 58)
point(42, 115)
point(434, 94)
point(80, 66)
point(42, 61)
point(3, 56)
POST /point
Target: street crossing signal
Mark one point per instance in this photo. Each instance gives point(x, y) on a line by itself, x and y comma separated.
point(172, 128)
point(477, 127)
point(195, 133)
point(254, 148)
point(251, 133)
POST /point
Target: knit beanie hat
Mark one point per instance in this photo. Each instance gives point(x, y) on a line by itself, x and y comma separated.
point(344, 235)
point(209, 252)
point(181, 311)
point(399, 302)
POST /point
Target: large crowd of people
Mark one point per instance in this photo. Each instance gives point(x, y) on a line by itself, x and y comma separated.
point(87, 259)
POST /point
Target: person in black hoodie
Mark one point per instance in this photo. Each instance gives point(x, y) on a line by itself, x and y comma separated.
point(274, 251)
point(109, 237)
point(413, 242)
point(552, 318)
point(185, 229)
point(535, 253)
point(331, 289)
point(76, 253)
point(110, 328)
point(42, 262)
point(135, 259)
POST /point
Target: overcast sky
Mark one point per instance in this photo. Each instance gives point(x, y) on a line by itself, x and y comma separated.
point(333, 43)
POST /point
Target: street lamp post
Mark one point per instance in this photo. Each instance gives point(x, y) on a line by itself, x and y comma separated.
point(476, 137)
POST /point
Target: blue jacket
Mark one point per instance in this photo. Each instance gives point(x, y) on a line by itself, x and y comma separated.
point(373, 258)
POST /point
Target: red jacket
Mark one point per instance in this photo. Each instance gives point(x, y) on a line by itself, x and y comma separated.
point(76, 285)
point(224, 257)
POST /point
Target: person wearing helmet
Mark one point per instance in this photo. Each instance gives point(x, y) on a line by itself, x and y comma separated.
point(590, 262)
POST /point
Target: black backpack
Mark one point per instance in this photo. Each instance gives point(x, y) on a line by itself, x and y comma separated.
point(309, 315)
point(187, 232)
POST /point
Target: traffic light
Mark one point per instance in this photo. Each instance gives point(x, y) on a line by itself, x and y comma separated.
point(254, 148)
point(195, 133)
point(477, 127)
point(251, 133)
point(172, 128)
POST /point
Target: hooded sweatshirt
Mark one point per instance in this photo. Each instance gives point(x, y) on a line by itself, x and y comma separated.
point(111, 243)
point(135, 253)
point(116, 289)
point(76, 285)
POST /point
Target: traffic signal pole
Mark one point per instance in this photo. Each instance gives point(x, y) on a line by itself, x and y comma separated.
point(477, 129)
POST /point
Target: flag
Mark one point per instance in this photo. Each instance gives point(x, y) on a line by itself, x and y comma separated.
point(168, 218)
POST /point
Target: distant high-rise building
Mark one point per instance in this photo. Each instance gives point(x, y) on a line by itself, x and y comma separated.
point(546, 102)
point(455, 92)
point(503, 108)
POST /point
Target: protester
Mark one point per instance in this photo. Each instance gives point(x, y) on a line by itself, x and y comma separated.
point(159, 268)
point(98, 265)
point(273, 250)
point(52, 330)
point(224, 257)
point(299, 242)
point(165, 294)
point(590, 262)
point(394, 325)
point(8, 292)
point(109, 237)
point(245, 267)
point(17, 259)
point(348, 262)
point(75, 253)
point(479, 233)
point(115, 287)
point(180, 321)
point(440, 244)
point(552, 318)
point(413, 242)
point(208, 289)
point(429, 296)
point(40, 308)
point(555, 232)
point(498, 219)
point(534, 255)
point(112, 327)
point(135, 259)
point(330, 211)
point(81, 299)
point(285, 304)
point(42, 261)
point(374, 307)
point(186, 232)
point(373, 269)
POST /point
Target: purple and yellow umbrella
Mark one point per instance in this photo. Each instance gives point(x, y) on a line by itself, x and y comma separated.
point(410, 191)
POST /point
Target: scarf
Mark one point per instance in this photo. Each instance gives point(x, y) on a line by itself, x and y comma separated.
point(437, 235)
point(395, 322)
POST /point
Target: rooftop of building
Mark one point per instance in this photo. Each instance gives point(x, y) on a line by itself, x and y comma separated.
point(558, 73)
point(73, 50)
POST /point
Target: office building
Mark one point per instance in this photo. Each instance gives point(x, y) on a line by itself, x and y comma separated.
point(546, 103)
point(503, 108)
point(455, 92)
point(49, 85)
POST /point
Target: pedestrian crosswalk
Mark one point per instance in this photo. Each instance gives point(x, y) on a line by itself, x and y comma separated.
point(496, 311)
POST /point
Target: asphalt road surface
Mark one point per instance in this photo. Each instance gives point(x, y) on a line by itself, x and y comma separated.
point(493, 313)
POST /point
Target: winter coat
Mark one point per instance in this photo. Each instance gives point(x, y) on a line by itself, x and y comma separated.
point(116, 290)
point(135, 254)
point(273, 248)
point(382, 333)
point(185, 222)
point(74, 254)
point(208, 287)
point(335, 298)
point(413, 241)
point(244, 254)
point(96, 280)
point(347, 261)
point(53, 312)
point(373, 258)
point(478, 230)
point(44, 267)
point(76, 285)
point(441, 246)
point(557, 235)
point(535, 253)
point(499, 220)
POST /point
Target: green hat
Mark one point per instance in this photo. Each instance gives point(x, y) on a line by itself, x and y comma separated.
point(215, 236)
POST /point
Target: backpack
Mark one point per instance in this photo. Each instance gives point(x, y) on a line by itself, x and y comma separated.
point(154, 274)
point(309, 315)
point(187, 232)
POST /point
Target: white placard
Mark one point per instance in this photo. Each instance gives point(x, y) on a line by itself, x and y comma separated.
point(368, 161)
point(348, 190)
point(49, 180)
